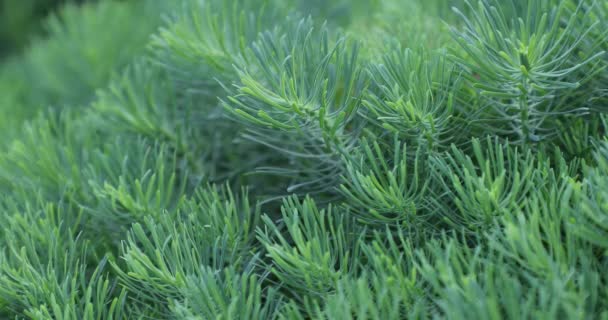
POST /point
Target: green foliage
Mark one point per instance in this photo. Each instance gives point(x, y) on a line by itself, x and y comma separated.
point(415, 98)
point(315, 250)
point(307, 89)
point(388, 288)
point(227, 294)
point(386, 192)
point(369, 159)
point(491, 182)
point(38, 162)
point(590, 201)
point(20, 20)
point(84, 46)
point(45, 275)
point(212, 229)
point(211, 36)
point(91, 36)
point(524, 66)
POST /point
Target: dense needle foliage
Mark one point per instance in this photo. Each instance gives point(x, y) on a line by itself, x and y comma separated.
point(298, 159)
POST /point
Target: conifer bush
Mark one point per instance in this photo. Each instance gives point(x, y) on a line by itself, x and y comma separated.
point(272, 159)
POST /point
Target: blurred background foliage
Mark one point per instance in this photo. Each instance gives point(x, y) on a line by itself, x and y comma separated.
point(67, 51)
point(20, 20)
